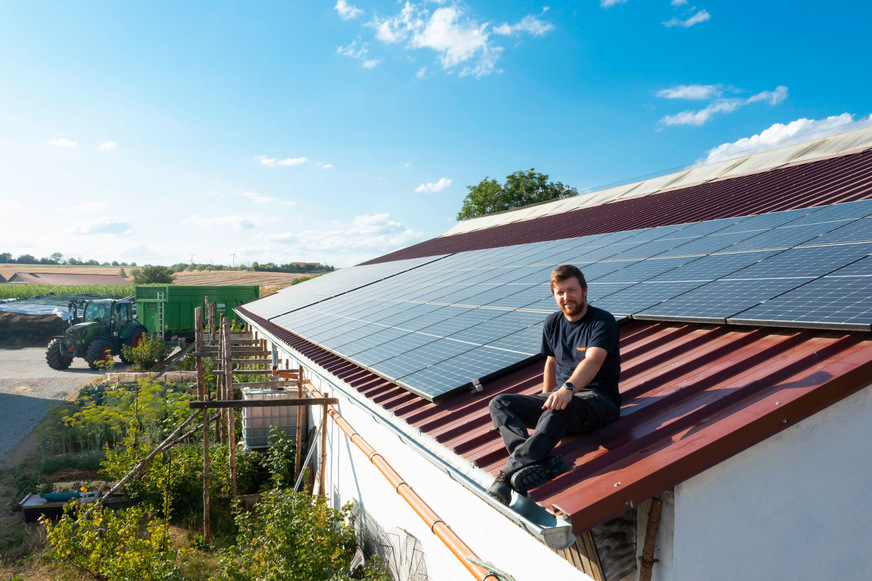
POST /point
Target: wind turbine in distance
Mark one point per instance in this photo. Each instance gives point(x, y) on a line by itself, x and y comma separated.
point(233, 254)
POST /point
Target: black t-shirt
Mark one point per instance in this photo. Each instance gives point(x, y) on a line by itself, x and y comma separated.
point(568, 342)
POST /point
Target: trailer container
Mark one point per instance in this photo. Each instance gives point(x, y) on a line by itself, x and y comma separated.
point(169, 309)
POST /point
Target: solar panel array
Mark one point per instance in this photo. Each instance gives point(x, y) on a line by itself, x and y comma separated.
point(434, 325)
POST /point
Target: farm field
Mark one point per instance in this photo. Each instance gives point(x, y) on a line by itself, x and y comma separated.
point(7, 270)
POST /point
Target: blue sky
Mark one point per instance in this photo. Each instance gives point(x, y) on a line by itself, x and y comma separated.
point(335, 132)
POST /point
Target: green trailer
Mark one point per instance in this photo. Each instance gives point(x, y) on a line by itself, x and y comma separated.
point(169, 309)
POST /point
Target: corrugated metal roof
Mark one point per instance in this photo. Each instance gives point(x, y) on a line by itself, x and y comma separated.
point(694, 395)
point(822, 182)
point(63, 279)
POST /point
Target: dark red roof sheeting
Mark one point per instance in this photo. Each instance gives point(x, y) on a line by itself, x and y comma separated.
point(834, 180)
point(694, 395)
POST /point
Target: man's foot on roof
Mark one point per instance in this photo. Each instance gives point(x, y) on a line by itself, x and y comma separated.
point(500, 489)
point(531, 476)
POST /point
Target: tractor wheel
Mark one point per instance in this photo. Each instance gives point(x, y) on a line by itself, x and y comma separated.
point(55, 356)
point(135, 339)
point(99, 354)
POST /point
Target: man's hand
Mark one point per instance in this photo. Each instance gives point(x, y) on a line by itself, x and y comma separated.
point(558, 400)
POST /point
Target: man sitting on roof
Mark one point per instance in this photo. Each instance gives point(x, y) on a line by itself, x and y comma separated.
point(579, 388)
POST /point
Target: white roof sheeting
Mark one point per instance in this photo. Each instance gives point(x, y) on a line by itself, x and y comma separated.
point(855, 139)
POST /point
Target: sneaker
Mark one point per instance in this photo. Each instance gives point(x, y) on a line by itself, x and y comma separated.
point(531, 476)
point(500, 489)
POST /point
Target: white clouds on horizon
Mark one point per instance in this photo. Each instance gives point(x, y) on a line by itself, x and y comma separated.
point(287, 162)
point(366, 236)
point(108, 225)
point(346, 11)
point(235, 222)
point(462, 44)
point(65, 143)
point(434, 187)
point(720, 105)
point(779, 135)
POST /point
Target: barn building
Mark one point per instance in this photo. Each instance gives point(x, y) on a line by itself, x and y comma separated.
point(744, 293)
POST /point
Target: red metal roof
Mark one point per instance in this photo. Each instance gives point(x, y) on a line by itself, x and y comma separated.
point(834, 180)
point(694, 395)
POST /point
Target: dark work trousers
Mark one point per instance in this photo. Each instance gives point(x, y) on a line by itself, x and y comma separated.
point(512, 414)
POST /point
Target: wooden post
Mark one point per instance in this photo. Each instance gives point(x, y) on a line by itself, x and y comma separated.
point(204, 396)
point(227, 365)
point(298, 451)
point(647, 560)
point(322, 480)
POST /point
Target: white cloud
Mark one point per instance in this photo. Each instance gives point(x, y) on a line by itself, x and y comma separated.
point(422, 73)
point(434, 187)
point(678, 2)
point(106, 146)
point(273, 162)
point(610, 3)
point(346, 11)
point(698, 118)
point(365, 237)
point(234, 222)
point(462, 43)
point(323, 165)
point(259, 199)
point(68, 143)
point(700, 16)
point(108, 225)
point(691, 92)
point(360, 51)
point(778, 135)
point(529, 24)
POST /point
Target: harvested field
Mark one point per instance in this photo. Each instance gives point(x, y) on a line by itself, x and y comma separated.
point(276, 280)
point(7, 270)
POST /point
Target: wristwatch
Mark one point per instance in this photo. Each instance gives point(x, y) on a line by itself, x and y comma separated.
point(569, 386)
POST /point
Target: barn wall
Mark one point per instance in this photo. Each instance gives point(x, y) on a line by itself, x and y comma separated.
point(351, 476)
point(795, 506)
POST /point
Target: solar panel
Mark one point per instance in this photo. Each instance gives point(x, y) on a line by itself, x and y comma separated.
point(857, 231)
point(805, 262)
point(830, 302)
point(721, 299)
point(433, 325)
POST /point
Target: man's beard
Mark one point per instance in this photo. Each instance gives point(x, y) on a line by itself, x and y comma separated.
point(575, 311)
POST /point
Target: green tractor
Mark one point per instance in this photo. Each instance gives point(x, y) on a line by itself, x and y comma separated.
point(104, 327)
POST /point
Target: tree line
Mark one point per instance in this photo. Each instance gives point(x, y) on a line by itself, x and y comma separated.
point(57, 258)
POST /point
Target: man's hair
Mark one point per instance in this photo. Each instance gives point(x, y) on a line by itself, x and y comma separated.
point(565, 271)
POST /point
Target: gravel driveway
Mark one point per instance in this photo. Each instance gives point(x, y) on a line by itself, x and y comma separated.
point(28, 386)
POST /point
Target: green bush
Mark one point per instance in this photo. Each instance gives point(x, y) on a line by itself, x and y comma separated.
point(113, 546)
point(151, 349)
point(289, 535)
point(279, 459)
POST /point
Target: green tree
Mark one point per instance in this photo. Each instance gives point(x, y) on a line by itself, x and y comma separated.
point(522, 188)
point(154, 275)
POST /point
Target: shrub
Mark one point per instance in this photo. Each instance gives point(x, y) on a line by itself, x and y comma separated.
point(151, 349)
point(113, 545)
point(289, 535)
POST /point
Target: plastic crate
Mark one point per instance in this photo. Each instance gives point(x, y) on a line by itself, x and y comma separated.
point(256, 422)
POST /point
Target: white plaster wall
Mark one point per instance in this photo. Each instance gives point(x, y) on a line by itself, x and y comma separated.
point(796, 506)
point(493, 537)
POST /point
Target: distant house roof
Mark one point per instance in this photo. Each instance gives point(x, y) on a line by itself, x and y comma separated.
point(694, 394)
point(2, 279)
point(64, 279)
